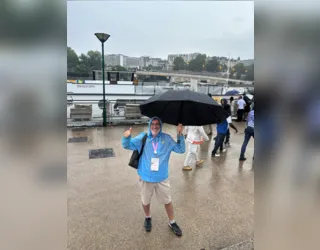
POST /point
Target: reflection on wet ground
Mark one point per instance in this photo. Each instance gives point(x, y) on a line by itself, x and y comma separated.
point(213, 203)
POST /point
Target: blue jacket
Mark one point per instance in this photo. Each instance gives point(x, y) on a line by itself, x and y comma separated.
point(165, 146)
point(222, 127)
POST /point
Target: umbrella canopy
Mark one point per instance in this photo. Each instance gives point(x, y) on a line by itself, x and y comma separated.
point(184, 106)
point(232, 92)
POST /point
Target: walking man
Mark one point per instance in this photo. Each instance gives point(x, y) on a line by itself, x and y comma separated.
point(248, 132)
point(195, 136)
point(227, 108)
point(241, 104)
point(222, 129)
point(153, 167)
point(247, 107)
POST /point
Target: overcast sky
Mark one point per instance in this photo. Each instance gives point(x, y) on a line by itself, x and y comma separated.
point(160, 28)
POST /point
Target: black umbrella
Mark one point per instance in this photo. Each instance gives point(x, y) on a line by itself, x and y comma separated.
point(184, 106)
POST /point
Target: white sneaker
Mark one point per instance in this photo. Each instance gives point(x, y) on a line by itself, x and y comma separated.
point(217, 155)
point(224, 150)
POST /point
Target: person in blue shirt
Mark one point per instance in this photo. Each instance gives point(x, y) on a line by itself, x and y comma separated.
point(153, 167)
point(222, 129)
point(248, 132)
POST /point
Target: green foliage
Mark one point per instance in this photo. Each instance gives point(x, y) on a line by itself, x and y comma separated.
point(85, 62)
point(198, 64)
point(118, 68)
point(213, 66)
point(250, 73)
point(72, 59)
point(179, 63)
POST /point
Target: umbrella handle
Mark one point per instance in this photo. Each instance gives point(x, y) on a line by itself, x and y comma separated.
point(180, 114)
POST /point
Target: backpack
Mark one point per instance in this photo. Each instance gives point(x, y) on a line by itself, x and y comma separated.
point(134, 160)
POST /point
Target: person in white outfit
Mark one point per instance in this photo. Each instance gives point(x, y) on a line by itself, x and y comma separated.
point(195, 136)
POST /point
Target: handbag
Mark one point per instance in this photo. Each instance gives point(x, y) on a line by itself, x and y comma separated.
point(134, 160)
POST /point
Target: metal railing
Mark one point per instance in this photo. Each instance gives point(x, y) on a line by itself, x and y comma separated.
point(117, 113)
point(116, 110)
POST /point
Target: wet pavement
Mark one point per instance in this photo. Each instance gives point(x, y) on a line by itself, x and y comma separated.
point(213, 204)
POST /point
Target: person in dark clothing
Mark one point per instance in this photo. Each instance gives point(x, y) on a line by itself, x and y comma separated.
point(247, 107)
point(248, 133)
point(222, 128)
point(227, 107)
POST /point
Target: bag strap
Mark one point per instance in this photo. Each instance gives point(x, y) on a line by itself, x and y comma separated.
point(143, 143)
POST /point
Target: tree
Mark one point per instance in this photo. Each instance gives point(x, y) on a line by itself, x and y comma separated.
point(118, 68)
point(224, 67)
point(179, 63)
point(89, 62)
point(94, 59)
point(212, 65)
point(250, 73)
point(198, 63)
point(83, 65)
point(239, 68)
point(72, 59)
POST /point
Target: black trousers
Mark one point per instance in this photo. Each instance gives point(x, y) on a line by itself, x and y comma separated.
point(227, 140)
point(219, 143)
point(240, 115)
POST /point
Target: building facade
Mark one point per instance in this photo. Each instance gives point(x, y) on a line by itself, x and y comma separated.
point(132, 62)
point(115, 59)
point(143, 61)
point(247, 62)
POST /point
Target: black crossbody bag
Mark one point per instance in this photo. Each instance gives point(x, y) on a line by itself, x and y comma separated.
point(134, 160)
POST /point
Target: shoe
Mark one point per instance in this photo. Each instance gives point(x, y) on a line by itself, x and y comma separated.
point(187, 168)
point(147, 224)
point(224, 150)
point(227, 144)
point(242, 159)
point(215, 155)
point(175, 229)
point(199, 162)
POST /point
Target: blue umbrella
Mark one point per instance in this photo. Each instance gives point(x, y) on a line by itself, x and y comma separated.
point(232, 92)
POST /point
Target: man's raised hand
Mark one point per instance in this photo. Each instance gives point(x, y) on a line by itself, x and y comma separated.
point(127, 133)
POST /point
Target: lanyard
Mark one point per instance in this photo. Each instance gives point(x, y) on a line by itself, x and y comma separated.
point(155, 147)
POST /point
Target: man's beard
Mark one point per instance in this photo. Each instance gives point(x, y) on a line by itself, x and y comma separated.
point(154, 133)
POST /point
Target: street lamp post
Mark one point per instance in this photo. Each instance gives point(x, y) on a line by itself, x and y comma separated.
point(103, 37)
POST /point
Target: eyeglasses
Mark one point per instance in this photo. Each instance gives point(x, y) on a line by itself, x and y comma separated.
point(155, 124)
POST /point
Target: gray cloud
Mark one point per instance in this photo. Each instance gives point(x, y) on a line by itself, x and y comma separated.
point(160, 28)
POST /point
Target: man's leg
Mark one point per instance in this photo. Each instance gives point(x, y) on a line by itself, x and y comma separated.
point(238, 115)
point(227, 140)
point(188, 163)
point(245, 143)
point(198, 160)
point(146, 195)
point(169, 209)
point(243, 115)
point(164, 196)
point(218, 142)
point(222, 140)
point(146, 210)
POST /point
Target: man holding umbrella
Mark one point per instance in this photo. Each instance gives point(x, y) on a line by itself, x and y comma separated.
point(153, 167)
